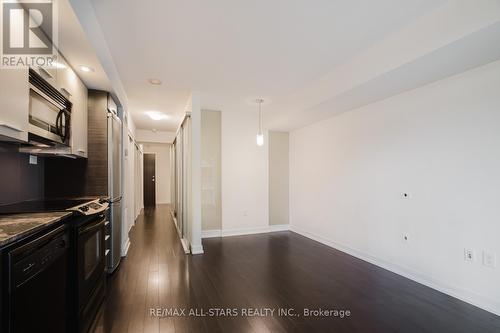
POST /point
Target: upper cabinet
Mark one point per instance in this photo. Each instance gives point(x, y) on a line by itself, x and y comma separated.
point(80, 120)
point(70, 85)
point(49, 74)
point(14, 104)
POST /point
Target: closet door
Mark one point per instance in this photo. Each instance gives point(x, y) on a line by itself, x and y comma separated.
point(178, 181)
point(172, 179)
point(186, 180)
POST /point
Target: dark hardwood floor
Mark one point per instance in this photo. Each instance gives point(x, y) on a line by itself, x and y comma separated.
point(277, 270)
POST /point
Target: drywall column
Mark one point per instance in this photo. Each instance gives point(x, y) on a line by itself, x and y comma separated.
point(278, 178)
point(194, 230)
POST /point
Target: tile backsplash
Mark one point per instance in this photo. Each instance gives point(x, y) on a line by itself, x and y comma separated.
point(19, 180)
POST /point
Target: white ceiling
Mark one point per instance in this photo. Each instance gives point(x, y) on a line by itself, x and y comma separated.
point(76, 48)
point(232, 51)
point(309, 60)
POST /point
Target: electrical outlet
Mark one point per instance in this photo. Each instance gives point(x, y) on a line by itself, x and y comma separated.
point(245, 213)
point(469, 255)
point(489, 259)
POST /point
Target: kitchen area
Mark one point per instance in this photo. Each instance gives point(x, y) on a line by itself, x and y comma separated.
point(64, 219)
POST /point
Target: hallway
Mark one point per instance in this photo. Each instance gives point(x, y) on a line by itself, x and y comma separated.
point(277, 270)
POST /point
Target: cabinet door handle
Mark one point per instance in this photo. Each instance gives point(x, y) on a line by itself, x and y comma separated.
point(64, 90)
point(27, 268)
point(46, 72)
point(17, 129)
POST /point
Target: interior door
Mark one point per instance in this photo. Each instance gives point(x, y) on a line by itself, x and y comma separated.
point(149, 180)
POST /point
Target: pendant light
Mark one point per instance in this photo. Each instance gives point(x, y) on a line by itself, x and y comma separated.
point(260, 135)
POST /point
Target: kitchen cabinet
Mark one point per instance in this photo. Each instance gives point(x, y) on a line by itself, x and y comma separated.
point(79, 143)
point(70, 85)
point(49, 74)
point(14, 104)
point(66, 81)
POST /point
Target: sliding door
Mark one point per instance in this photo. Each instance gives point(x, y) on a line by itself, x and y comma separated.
point(186, 170)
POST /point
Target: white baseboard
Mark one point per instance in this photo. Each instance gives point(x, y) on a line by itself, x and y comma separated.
point(197, 249)
point(243, 231)
point(184, 242)
point(185, 245)
point(125, 248)
point(175, 223)
point(279, 227)
point(482, 302)
point(211, 233)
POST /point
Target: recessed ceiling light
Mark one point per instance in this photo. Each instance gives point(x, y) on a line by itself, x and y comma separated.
point(86, 69)
point(155, 115)
point(57, 64)
point(155, 82)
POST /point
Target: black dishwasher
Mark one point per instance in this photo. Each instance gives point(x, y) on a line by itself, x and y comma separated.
point(38, 284)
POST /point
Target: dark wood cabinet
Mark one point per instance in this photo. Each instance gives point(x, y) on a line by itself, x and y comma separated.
point(84, 177)
point(96, 182)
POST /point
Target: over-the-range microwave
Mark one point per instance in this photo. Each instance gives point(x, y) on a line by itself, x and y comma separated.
point(49, 113)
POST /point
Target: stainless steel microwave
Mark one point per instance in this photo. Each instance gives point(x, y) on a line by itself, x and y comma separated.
point(49, 112)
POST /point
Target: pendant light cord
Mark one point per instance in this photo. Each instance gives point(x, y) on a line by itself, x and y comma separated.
point(260, 116)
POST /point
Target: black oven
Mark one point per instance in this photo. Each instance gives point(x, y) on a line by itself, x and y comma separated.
point(91, 261)
point(89, 237)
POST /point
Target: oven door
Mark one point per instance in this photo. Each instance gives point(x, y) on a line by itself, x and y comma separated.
point(91, 258)
point(47, 118)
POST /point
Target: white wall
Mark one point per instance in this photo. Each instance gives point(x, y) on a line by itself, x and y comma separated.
point(128, 202)
point(143, 135)
point(244, 169)
point(138, 181)
point(128, 181)
point(441, 144)
point(194, 179)
point(162, 168)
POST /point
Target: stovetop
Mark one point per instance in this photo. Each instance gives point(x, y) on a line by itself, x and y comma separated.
point(55, 205)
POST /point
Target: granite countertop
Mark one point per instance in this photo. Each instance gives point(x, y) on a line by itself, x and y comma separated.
point(16, 226)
